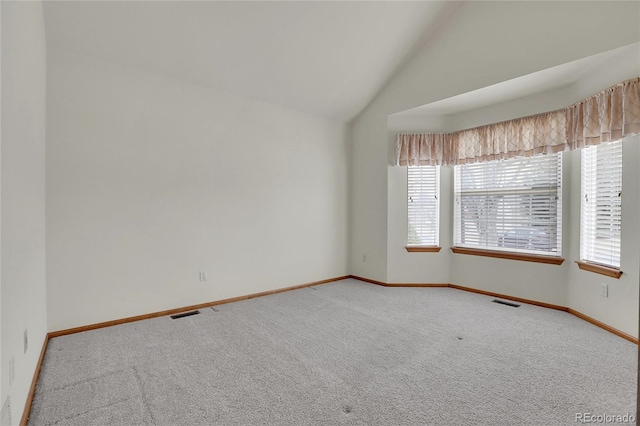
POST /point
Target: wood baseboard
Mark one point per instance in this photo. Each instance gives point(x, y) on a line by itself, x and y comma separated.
point(34, 382)
point(506, 296)
point(383, 284)
point(368, 280)
point(604, 326)
point(459, 287)
point(416, 285)
point(51, 335)
point(36, 374)
point(187, 308)
point(516, 299)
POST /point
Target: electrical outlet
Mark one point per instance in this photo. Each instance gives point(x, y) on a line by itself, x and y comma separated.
point(26, 340)
point(203, 275)
point(12, 370)
point(604, 290)
point(364, 258)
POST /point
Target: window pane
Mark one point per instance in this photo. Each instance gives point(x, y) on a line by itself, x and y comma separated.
point(601, 207)
point(423, 205)
point(510, 205)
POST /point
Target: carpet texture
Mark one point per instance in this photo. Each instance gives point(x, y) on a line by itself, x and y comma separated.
point(344, 353)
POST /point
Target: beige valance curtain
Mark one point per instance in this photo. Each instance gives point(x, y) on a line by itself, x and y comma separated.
point(608, 115)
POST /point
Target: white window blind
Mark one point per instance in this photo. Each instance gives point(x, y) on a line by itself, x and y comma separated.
point(510, 205)
point(423, 205)
point(601, 212)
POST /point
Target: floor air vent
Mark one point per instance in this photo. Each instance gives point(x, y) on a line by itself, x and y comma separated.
point(502, 302)
point(184, 314)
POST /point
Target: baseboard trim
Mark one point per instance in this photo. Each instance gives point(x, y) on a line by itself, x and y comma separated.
point(416, 285)
point(515, 299)
point(34, 382)
point(578, 314)
point(383, 284)
point(51, 335)
point(604, 326)
point(368, 280)
point(187, 308)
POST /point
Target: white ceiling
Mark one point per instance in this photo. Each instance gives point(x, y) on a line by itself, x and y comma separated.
point(538, 82)
point(327, 58)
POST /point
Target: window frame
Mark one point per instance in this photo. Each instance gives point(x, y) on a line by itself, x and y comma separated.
point(416, 247)
point(591, 176)
point(553, 256)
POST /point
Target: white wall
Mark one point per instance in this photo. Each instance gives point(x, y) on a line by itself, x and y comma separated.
point(477, 48)
point(483, 44)
point(416, 267)
point(620, 309)
point(563, 285)
point(541, 282)
point(566, 285)
point(150, 180)
point(23, 284)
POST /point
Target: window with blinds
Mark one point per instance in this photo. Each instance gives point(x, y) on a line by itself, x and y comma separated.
point(601, 207)
point(423, 205)
point(510, 205)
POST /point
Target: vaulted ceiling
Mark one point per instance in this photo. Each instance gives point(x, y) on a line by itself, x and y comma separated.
point(570, 73)
point(326, 58)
